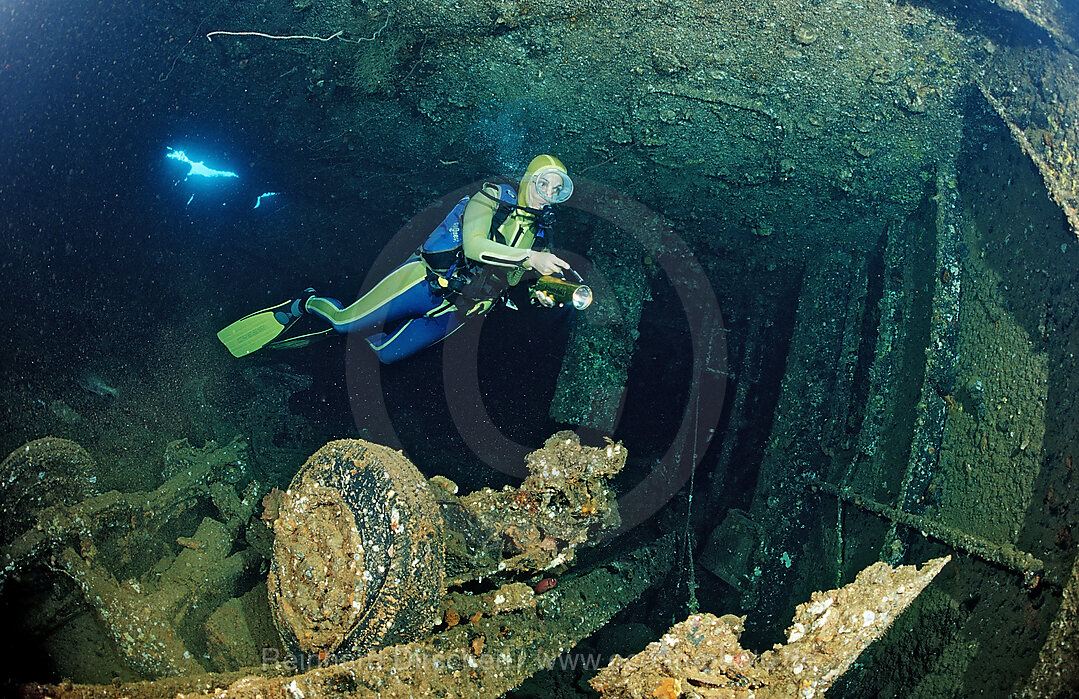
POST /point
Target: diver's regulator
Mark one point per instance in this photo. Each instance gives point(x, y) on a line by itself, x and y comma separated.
point(550, 291)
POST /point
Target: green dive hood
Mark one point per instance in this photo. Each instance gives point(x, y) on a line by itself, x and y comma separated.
point(540, 162)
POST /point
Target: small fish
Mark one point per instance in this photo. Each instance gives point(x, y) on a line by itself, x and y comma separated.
point(544, 585)
point(96, 385)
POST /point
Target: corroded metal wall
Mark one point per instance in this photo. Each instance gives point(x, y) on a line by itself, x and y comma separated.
point(979, 425)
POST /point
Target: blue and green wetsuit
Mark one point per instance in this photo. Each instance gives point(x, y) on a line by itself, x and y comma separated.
point(412, 309)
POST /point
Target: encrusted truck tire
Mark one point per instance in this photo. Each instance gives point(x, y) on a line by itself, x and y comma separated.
point(358, 559)
point(44, 472)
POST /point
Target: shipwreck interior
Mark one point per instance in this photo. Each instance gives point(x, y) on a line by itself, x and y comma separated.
point(836, 266)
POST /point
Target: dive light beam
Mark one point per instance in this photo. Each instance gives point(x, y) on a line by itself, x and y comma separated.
point(197, 169)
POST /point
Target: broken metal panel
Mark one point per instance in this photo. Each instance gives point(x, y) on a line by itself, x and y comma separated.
point(702, 655)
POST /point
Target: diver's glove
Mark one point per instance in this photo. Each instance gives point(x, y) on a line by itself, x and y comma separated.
point(543, 298)
point(545, 262)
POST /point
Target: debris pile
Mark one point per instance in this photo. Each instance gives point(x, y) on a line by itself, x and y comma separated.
point(564, 502)
point(488, 652)
point(702, 656)
point(149, 587)
point(363, 543)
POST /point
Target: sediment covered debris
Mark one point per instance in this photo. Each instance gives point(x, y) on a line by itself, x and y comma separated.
point(148, 586)
point(563, 503)
point(702, 656)
point(357, 560)
point(41, 473)
point(360, 543)
point(483, 656)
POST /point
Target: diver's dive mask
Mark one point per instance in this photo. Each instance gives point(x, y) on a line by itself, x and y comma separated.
point(553, 185)
point(550, 291)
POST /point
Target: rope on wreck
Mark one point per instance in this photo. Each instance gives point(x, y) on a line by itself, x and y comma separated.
point(288, 37)
point(691, 583)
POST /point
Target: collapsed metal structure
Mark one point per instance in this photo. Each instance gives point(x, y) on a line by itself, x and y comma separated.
point(363, 551)
point(702, 656)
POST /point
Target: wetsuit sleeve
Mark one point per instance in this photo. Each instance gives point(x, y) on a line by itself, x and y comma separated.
point(475, 229)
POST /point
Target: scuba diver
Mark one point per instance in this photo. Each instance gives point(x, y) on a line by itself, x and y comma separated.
point(483, 247)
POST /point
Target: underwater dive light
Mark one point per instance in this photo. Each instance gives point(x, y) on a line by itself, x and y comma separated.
point(550, 291)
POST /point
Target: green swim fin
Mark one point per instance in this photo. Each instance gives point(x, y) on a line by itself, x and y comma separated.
point(255, 331)
point(301, 340)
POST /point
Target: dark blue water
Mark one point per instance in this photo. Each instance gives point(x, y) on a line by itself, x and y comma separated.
point(117, 267)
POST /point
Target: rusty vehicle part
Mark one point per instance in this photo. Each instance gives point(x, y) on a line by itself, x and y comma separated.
point(357, 557)
point(147, 586)
point(511, 597)
point(562, 504)
point(363, 544)
point(702, 655)
point(444, 664)
point(45, 472)
point(358, 552)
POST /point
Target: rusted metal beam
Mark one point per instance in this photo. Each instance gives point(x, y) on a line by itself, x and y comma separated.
point(1004, 555)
